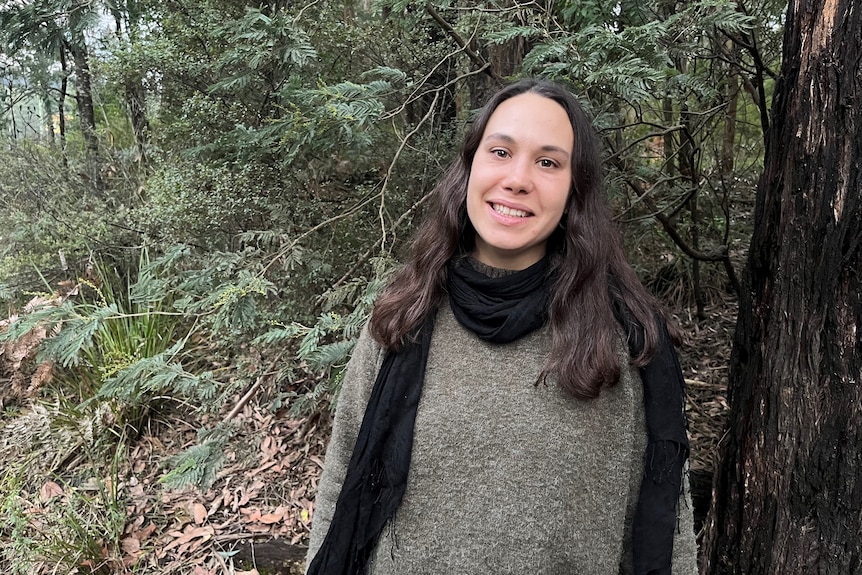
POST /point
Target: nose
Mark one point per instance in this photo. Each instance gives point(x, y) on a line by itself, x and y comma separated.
point(519, 178)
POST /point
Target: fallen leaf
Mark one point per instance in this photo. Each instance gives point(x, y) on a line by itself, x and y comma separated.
point(271, 518)
point(130, 545)
point(49, 491)
point(204, 533)
point(199, 512)
point(144, 533)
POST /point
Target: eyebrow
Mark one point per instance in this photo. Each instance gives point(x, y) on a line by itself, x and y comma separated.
point(509, 139)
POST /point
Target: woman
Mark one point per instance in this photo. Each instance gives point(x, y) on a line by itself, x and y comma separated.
point(513, 380)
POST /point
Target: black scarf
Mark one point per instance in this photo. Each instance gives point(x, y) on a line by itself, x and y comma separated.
point(498, 310)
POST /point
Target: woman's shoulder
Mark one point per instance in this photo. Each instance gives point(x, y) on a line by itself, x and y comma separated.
point(367, 350)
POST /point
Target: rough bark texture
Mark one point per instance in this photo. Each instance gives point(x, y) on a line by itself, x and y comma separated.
point(84, 95)
point(788, 494)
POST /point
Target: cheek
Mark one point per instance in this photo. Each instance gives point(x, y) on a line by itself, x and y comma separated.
point(474, 189)
point(558, 201)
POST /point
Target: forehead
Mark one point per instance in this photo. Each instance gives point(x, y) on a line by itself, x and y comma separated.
point(531, 117)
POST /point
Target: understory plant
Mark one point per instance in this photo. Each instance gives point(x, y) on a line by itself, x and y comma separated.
point(71, 522)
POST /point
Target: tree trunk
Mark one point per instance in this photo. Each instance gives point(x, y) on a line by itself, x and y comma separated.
point(136, 103)
point(689, 169)
point(133, 83)
point(14, 129)
point(61, 105)
point(728, 141)
point(86, 109)
point(787, 497)
point(84, 96)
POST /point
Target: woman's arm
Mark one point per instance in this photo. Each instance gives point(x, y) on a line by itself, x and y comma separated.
point(684, 544)
point(355, 391)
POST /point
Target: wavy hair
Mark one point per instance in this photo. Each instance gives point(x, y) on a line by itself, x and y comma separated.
point(588, 260)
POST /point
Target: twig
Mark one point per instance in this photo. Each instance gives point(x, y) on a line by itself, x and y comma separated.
point(241, 537)
point(284, 251)
point(244, 399)
point(251, 391)
point(392, 166)
point(476, 58)
point(367, 255)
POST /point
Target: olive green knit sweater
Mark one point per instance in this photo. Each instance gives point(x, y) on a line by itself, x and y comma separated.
point(506, 476)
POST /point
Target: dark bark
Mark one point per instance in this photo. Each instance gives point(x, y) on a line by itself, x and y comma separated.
point(61, 105)
point(84, 97)
point(86, 110)
point(133, 85)
point(787, 497)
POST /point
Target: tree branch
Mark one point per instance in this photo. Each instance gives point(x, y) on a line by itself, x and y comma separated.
point(719, 256)
point(476, 58)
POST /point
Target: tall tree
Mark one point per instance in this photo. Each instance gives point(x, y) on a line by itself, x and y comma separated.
point(57, 27)
point(788, 492)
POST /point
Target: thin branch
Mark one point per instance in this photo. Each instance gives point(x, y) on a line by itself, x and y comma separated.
point(413, 97)
point(642, 138)
point(719, 256)
point(392, 166)
point(367, 255)
point(476, 58)
point(286, 250)
point(670, 229)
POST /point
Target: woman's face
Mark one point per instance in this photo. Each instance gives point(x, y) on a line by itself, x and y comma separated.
point(520, 180)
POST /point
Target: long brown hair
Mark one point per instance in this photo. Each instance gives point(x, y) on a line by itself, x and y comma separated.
point(586, 254)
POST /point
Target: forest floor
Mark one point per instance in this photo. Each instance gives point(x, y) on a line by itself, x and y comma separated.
point(256, 517)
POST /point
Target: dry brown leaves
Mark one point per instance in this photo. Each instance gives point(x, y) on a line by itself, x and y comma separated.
point(17, 358)
point(265, 492)
point(705, 361)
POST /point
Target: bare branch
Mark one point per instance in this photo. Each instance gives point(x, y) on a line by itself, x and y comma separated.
point(476, 58)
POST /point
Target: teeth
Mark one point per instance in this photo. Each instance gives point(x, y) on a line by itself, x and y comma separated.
point(509, 211)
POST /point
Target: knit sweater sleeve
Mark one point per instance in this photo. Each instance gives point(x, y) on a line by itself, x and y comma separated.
point(684, 544)
point(684, 561)
point(356, 388)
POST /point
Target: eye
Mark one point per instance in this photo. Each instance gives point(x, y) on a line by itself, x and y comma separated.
point(500, 153)
point(547, 163)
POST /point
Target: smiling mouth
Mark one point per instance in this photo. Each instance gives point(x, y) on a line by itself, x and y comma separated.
point(510, 212)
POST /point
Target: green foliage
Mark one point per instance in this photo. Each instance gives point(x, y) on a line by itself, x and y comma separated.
point(76, 332)
point(261, 45)
point(325, 347)
point(71, 525)
point(205, 204)
point(199, 464)
point(158, 376)
point(99, 335)
point(628, 60)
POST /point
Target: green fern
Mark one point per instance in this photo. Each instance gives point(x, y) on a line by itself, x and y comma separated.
point(387, 73)
point(159, 376)
point(76, 334)
point(510, 33)
point(199, 465)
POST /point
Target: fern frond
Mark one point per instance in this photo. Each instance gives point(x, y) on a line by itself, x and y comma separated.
point(511, 33)
point(280, 335)
point(76, 334)
point(331, 354)
point(393, 75)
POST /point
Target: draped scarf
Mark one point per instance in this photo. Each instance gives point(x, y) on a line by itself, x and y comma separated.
point(499, 310)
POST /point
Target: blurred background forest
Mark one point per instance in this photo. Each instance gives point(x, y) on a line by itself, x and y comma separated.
point(200, 199)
